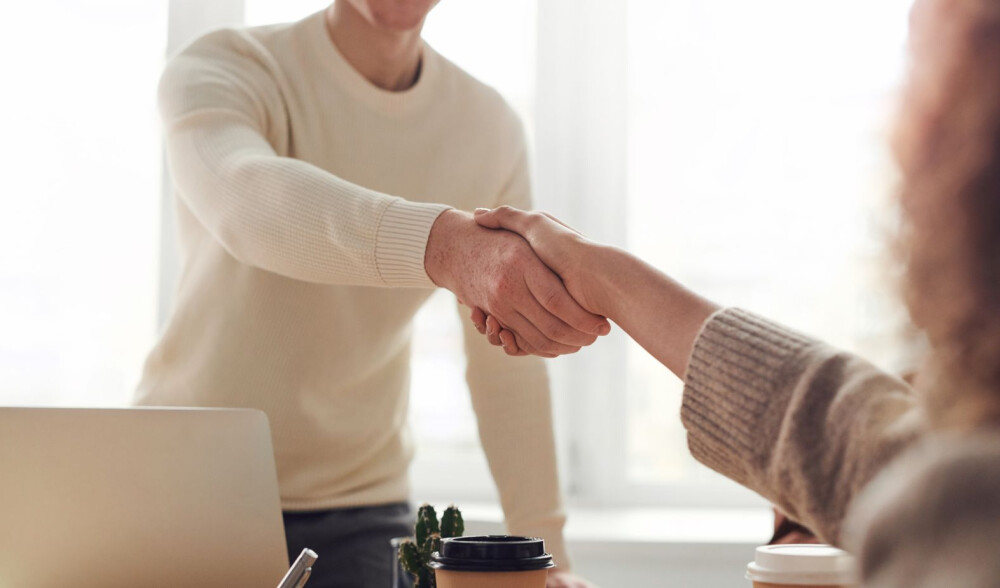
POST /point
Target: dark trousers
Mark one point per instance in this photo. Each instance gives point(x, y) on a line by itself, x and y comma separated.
point(353, 544)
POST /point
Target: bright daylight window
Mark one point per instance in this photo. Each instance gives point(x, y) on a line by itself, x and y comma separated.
point(758, 175)
point(79, 213)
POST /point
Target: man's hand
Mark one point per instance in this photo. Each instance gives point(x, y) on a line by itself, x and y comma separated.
point(560, 579)
point(568, 253)
point(499, 273)
point(561, 248)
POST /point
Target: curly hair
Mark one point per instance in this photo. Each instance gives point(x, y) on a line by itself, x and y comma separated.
point(948, 146)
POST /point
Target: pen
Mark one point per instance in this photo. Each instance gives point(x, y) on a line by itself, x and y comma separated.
point(300, 571)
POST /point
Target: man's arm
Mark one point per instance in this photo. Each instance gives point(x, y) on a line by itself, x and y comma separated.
point(224, 114)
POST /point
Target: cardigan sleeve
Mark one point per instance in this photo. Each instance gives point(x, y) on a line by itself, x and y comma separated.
point(799, 422)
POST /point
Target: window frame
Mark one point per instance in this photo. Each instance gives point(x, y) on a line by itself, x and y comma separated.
point(577, 168)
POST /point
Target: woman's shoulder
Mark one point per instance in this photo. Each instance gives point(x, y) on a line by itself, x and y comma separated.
point(932, 518)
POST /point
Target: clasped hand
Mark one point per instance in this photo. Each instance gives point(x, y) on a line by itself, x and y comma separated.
point(518, 300)
point(521, 274)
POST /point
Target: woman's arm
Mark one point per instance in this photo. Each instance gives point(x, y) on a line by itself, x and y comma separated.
point(656, 311)
point(801, 423)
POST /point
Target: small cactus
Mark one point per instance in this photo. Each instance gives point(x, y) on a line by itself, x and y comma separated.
point(413, 562)
point(415, 554)
point(409, 556)
point(452, 524)
point(427, 523)
point(432, 544)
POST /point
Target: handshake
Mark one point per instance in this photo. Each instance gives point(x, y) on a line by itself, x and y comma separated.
point(523, 275)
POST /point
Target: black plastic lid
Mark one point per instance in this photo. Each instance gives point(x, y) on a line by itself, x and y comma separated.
point(491, 553)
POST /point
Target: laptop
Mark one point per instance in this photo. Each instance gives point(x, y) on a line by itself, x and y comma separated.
point(151, 497)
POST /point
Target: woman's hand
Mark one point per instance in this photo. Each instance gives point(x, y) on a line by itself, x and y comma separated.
point(658, 312)
point(500, 273)
point(562, 249)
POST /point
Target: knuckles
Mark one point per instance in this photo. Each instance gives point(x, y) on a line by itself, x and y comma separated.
point(508, 274)
point(500, 288)
point(552, 299)
point(558, 331)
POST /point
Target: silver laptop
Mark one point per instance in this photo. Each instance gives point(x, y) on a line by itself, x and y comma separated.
point(138, 497)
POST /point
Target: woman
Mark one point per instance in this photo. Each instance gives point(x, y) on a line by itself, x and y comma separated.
point(814, 429)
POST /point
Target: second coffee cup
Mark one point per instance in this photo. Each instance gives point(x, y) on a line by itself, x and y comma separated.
point(801, 566)
point(491, 561)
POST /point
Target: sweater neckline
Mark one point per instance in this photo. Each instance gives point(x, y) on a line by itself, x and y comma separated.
point(384, 101)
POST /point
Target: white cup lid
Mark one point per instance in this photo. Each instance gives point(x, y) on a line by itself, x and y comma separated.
point(822, 565)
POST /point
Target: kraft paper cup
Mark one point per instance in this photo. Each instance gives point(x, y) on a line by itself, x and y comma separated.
point(802, 566)
point(491, 561)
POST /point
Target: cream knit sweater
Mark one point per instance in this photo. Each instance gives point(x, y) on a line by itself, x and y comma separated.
point(305, 197)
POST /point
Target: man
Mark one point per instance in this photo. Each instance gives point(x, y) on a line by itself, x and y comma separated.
point(316, 165)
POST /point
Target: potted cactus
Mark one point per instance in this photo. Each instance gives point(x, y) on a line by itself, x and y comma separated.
point(415, 553)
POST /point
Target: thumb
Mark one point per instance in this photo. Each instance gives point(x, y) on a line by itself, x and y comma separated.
point(486, 217)
point(503, 217)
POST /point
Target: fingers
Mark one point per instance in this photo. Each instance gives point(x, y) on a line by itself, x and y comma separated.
point(493, 329)
point(503, 217)
point(495, 333)
point(479, 320)
point(554, 219)
point(511, 345)
point(514, 219)
point(535, 341)
point(578, 326)
point(557, 334)
point(501, 337)
point(524, 296)
point(535, 319)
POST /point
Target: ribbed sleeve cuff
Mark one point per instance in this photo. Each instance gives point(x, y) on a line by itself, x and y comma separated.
point(401, 241)
point(733, 374)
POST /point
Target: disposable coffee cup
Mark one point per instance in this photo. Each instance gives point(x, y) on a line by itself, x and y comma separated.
point(802, 566)
point(491, 561)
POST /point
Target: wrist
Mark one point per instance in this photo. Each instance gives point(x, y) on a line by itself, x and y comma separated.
point(608, 271)
point(442, 242)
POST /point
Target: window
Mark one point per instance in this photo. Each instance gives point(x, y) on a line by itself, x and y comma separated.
point(740, 146)
point(757, 174)
point(79, 212)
